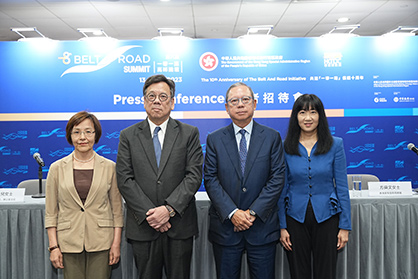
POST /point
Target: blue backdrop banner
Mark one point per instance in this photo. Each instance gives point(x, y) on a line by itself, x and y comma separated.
point(369, 86)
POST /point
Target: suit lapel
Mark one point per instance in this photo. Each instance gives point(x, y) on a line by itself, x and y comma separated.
point(231, 148)
point(256, 142)
point(169, 140)
point(145, 139)
point(98, 175)
point(69, 181)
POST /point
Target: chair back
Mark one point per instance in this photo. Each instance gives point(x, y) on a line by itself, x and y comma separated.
point(32, 186)
point(365, 179)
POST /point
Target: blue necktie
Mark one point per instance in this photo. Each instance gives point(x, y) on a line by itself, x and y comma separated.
point(243, 150)
point(157, 145)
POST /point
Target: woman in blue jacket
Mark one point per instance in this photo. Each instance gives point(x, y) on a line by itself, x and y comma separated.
point(314, 207)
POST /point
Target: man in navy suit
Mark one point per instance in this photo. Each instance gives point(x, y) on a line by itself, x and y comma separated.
point(244, 176)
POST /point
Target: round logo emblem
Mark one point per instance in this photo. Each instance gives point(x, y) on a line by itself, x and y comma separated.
point(208, 61)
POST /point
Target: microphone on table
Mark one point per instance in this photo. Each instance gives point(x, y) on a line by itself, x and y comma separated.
point(38, 159)
point(412, 147)
point(41, 163)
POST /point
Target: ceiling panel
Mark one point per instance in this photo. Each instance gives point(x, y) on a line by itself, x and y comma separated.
point(139, 19)
point(71, 10)
point(118, 10)
point(27, 11)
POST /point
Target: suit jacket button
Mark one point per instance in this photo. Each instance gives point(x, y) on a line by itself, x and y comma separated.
point(82, 209)
point(244, 189)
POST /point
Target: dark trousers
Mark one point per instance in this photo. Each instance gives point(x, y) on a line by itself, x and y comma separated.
point(261, 260)
point(313, 243)
point(174, 255)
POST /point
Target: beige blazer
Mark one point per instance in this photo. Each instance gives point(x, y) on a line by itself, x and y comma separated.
point(89, 226)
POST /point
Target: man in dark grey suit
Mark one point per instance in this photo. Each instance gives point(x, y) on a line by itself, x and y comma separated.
point(159, 170)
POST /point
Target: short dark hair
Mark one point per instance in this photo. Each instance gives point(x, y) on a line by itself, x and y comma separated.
point(236, 85)
point(325, 140)
point(157, 79)
point(79, 117)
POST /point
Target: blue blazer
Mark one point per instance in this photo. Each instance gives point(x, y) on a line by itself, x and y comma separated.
point(320, 178)
point(259, 189)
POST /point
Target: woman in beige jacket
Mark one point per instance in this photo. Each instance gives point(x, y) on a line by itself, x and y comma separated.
point(84, 216)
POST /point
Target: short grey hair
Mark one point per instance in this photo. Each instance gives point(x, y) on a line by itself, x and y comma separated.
point(236, 85)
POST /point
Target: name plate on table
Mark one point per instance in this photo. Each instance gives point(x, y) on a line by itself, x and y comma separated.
point(390, 189)
point(12, 195)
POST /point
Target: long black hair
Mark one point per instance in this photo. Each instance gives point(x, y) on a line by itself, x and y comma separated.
point(325, 140)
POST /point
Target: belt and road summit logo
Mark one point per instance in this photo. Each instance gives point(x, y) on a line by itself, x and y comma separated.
point(208, 61)
point(56, 132)
point(104, 150)
point(92, 63)
point(366, 128)
point(395, 146)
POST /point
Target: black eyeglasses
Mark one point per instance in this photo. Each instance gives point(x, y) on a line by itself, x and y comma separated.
point(244, 100)
point(151, 97)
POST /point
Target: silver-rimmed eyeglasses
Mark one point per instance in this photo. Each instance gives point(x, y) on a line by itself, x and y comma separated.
point(87, 133)
point(244, 100)
point(151, 97)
